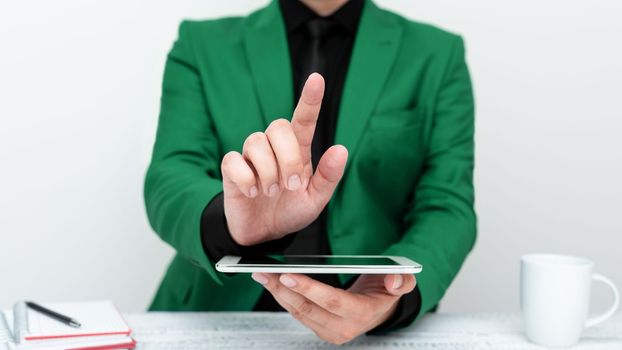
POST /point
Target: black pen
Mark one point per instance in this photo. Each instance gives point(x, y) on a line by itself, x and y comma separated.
point(55, 315)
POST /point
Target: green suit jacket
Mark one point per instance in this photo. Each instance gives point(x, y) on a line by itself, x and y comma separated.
point(406, 118)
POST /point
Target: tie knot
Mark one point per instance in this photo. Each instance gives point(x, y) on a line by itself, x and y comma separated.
point(319, 27)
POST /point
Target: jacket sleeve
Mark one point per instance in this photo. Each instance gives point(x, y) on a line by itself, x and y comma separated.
point(184, 174)
point(441, 222)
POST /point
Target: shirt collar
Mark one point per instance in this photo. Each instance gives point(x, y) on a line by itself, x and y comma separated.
point(295, 14)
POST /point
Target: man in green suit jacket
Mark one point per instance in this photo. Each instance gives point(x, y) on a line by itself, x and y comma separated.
point(399, 182)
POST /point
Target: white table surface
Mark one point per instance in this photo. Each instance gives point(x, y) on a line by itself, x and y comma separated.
point(279, 331)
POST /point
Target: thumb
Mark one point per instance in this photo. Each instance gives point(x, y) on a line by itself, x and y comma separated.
point(328, 173)
point(399, 284)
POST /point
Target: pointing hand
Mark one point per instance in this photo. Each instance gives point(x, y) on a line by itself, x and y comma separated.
point(270, 189)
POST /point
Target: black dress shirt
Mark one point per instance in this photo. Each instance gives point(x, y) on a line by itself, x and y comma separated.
point(337, 47)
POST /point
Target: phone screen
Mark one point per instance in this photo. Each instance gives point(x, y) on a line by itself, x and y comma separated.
point(315, 260)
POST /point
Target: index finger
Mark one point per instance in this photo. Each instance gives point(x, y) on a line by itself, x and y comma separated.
point(334, 300)
point(306, 113)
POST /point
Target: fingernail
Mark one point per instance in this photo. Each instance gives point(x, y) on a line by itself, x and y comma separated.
point(287, 281)
point(253, 192)
point(273, 190)
point(293, 182)
point(259, 278)
point(398, 280)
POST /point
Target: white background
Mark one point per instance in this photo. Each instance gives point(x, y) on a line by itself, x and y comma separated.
point(79, 94)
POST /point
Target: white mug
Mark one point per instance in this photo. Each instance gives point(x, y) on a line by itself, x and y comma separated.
point(555, 298)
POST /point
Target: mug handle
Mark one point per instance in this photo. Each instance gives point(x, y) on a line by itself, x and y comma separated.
point(616, 302)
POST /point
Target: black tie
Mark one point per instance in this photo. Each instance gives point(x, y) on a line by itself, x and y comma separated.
point(315, 61)
point(315, 58)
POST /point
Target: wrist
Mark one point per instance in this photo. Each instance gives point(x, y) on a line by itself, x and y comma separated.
point(217, 238)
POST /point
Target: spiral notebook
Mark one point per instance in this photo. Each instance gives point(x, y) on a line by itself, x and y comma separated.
point(103, 326)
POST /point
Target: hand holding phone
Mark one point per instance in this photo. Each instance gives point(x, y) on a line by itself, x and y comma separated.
point(334, 314)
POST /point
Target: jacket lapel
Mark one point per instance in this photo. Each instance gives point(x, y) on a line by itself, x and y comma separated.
point(374, 51)
point(265, 45)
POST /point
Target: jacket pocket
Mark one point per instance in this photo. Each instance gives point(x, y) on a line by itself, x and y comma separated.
point(391, 155)
point(396, 119)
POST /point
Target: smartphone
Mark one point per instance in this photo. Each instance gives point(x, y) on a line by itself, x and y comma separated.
point(349, 264)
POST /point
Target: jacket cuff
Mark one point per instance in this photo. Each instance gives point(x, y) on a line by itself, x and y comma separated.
point(407, 310)
point(217, 241)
